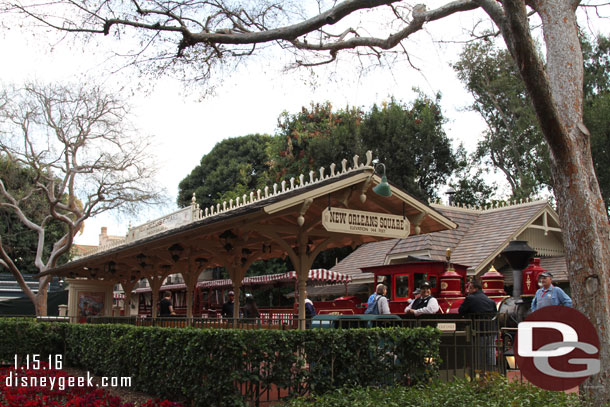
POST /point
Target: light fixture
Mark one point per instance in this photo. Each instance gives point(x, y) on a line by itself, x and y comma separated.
point(383, 188)
point(201, 261)
point(175, 250)
point(111, 267)
point(141, 259)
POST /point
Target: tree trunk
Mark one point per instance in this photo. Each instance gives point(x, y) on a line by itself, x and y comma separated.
point(556, 90)
point(41, 302)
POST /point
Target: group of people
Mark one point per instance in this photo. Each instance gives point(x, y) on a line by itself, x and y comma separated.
point(250, 309)
point(476, 301)
point(424, 302)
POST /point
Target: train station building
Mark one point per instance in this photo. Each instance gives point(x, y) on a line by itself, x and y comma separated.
point(345, 205)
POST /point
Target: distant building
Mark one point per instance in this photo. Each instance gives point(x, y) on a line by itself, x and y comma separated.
point(80, 250)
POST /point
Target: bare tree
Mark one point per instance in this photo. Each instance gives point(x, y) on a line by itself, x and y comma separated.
point(83, 159)
point(199, 36)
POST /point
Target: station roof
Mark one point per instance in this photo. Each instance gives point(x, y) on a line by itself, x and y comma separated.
point(262, 225)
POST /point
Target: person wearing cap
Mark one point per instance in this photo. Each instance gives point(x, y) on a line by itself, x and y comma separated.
point(425, 304)
point(549, 294)
point(227, 307)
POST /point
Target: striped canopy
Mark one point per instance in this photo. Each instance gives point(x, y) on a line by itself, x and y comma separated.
point(315, 276)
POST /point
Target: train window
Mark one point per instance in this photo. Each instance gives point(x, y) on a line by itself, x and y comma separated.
point(180, 299)
point(420, 278)
point(402, 286)
point(432, 281)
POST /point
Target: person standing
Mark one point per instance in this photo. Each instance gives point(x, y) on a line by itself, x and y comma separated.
point(380, 305)
point(425, 304)
point(227, 307)
point(482, 309)
point(250, 309)
point(165, 305)
point(477, 302)
point(549, 294)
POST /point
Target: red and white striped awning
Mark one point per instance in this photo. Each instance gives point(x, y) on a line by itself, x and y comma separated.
point(118, 296)
point(316, 276)
point(226, 283)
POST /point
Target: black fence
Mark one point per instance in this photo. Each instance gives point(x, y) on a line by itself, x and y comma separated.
point(469, 346)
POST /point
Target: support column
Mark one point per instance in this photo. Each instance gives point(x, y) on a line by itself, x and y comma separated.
point(190, 276)
point(155, 281)
point(302, 269)
point(128, 286)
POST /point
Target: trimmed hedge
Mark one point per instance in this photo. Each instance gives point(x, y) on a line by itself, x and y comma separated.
point(492, 391)
point(207, 366)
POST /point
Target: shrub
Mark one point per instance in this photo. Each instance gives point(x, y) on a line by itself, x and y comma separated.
point(492, 391)
point(218, 367)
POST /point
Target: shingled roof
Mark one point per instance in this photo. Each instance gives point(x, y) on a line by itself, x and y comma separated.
point(481, 235)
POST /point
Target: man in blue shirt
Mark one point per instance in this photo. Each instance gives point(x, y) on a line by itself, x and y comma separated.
point(548, 294)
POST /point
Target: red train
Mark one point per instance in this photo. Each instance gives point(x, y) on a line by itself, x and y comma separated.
point(448, 286)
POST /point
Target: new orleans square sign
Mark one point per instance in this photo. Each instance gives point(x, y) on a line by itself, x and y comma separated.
point(365, 223)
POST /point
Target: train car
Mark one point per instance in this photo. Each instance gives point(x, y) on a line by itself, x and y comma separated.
point(448, 281)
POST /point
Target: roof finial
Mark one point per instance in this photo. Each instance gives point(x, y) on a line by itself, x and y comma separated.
point(369, 158)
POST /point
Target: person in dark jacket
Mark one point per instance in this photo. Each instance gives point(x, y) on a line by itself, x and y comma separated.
point(250, 309)
point(227, 307)
point(477, 302)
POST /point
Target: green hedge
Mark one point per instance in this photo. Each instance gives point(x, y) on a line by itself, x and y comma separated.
point(492, 391)
point(207, 366)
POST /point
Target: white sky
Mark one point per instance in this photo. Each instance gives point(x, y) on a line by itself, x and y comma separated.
point(247, 102)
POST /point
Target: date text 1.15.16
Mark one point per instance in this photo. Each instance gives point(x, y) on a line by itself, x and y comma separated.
point(37, 362)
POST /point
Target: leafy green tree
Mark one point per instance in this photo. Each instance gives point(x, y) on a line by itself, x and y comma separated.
point(315, 137)
point(468, 181)
point(512, 142)
point(409, 139)
point(597, 108)
point(234, 167)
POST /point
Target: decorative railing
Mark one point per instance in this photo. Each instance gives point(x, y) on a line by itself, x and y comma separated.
point(194, 213)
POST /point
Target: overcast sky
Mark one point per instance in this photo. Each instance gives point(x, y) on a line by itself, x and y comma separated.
point(248, 101)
